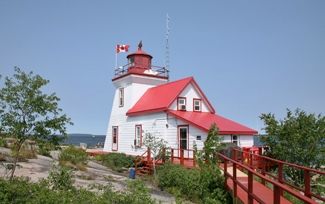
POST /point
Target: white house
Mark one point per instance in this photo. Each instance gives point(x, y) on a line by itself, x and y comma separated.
point(177, 111)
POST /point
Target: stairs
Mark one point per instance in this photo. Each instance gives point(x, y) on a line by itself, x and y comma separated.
point(144, 164)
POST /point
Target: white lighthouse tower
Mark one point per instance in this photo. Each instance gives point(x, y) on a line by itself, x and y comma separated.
point(131, 81)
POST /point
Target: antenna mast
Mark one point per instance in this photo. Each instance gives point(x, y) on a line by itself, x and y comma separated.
point(167, 43)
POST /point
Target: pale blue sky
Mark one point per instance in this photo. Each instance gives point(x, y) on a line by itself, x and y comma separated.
point(249, 57)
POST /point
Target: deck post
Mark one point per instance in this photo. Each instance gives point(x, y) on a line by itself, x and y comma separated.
point(280, 176)
point(163, 155)
point(263, 169)
point(276, 194)
point(250, 188)
point(194, 158)
point(148, 155)
point(234, 154)
point(225, 171)
point(172, 155)
point(307, 183)
point(251, 160)
point(182, 157)
point(234, 180)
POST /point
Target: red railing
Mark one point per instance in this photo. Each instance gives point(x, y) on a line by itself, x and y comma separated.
point(262, 164)
point(277, 186)
point(139, 159)
point(183, 155)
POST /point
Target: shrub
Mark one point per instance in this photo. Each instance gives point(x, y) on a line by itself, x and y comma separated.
point(20, 190)
point(2, 142)
point(116, 161)
point(175, 176)
point(44, 148)
point(26, 152)
point(136, 193)
point(73, 157)
point(203, 185)
point(60, 178)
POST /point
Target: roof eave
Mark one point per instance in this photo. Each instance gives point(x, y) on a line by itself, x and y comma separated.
point(144, 112)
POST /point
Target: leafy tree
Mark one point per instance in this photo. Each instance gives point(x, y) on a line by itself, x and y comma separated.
point(155, 144)
point(298, 138)
point(211, 186)
point(28, 113)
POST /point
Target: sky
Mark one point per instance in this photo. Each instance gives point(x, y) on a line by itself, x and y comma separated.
point(249, 57)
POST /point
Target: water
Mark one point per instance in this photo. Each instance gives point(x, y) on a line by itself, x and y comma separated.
point(90, 140)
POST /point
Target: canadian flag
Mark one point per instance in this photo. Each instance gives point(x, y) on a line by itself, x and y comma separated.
point(122, 48)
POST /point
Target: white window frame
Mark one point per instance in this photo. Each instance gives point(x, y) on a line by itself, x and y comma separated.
point(199, 105)
point(138, 136)
point(121, 97)
point(115, 137)
point(181, 101)
point(235, 139)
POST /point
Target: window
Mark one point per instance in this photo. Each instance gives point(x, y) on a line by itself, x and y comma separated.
point(138, 136)
point(114, 138)
point(121, 97)
point(198, 137)
point(234, 139)
point(197, 105)
point(131, 61)
point(183, 136)
point(181, 103)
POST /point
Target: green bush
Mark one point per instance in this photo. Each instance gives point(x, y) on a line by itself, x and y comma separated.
point(60, 178)
point(73, 157)
point(2, 142)
point(20, 190)
point(199, 185)
point(136, 193)
point(116, 161)
point(44, 148)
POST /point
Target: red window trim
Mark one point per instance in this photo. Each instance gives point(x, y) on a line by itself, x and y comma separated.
point(116, 138)
point(197, 99)
point(135, 134)
point(188, 135)
point(178, 103)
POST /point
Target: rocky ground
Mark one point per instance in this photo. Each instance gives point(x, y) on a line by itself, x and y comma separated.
point(95, 173)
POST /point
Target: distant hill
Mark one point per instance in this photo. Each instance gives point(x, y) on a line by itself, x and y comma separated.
point(89, 139)
point(83, 135)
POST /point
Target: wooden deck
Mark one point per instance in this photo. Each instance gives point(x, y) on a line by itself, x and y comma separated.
point(265, 193)
point(240, 177)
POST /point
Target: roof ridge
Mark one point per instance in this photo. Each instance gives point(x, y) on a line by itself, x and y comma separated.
point(166, 84)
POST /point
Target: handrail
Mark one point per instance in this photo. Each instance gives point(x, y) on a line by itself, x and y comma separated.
point(161, 71)
point(276, 185)
point(137, 161)
point(181, 156)
point(307, 172)
point(283, 162)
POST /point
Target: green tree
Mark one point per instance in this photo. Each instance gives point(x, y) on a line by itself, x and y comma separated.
point(298, 138)
point(211, 186)
point(155, 145)
point(28, 113)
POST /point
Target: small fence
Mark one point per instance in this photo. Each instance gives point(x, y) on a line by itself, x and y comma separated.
point(156, 70)
point(185, 157)
point(277, 187)
point(264, 164)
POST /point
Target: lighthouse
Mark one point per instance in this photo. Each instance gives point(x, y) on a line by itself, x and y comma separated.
point(145, 101)
point(130, 81)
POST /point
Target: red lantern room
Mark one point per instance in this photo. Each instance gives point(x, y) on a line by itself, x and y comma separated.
point(139, 63)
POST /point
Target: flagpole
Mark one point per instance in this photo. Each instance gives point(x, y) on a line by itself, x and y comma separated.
point(115, 60)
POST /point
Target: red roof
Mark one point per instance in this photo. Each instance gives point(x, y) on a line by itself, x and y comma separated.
point(204, 120)
point(159, 98)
